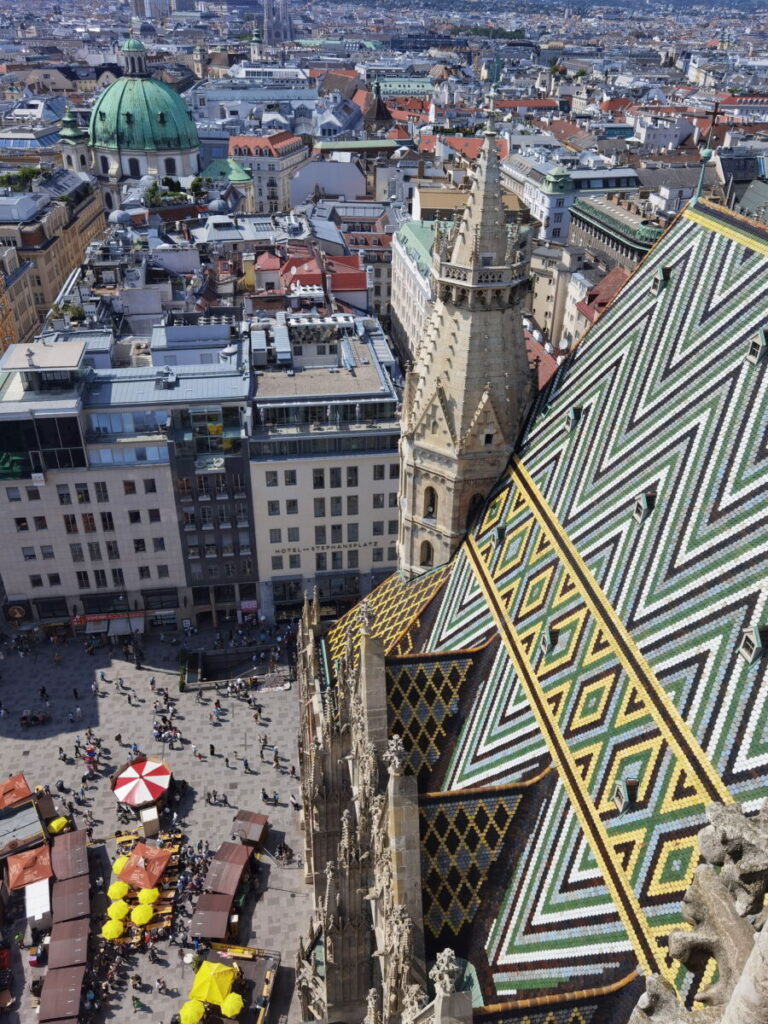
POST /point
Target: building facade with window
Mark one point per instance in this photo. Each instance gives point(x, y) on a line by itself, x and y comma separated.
point(273, 160)
point(323, 461)
point(119, 486)
point(50, 236)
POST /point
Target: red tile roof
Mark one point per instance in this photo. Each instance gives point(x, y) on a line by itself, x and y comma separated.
point(276, 144)
point(268, 261)
point(597, 298)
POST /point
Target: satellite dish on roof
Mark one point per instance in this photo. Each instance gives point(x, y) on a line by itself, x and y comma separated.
point(537, 335)
point(563, 346)
point(527, 323)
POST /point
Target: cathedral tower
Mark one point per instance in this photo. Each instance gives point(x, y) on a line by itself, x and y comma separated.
point(470, 385)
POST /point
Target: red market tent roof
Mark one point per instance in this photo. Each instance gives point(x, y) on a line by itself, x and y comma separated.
point(145, 866)
point(29, 866)
point(14, 789)
point(142, 782)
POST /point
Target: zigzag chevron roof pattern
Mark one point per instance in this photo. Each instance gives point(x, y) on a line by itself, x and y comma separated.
point(618, 633)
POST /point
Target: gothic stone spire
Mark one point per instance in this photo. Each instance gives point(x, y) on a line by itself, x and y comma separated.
point(471, 384)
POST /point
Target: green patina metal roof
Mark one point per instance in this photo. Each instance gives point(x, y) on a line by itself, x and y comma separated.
point(417, 237)
point(133, 45)
point(70, 131)
point(329, 145)
point(141, 114)
point(227, 168)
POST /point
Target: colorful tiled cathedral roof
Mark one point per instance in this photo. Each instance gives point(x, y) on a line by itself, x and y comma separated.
point(579, 660)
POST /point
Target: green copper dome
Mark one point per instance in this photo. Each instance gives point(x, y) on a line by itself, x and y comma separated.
point(141, 114)
point(133, 45)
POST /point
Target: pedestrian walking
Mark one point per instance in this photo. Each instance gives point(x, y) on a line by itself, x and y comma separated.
point(62, 755)
point(78, 713)
point(292, 772)
point(152, 684)
point(120, 683)
point(246, 766)
point(95, 688)
point(75, 694)
point(276, 760)
point(211, 750)
point(226, 762)
point(103, 676)
point(294, 803)
point(275, 798)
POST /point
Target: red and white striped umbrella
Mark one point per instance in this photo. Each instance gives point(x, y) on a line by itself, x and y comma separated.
point(142, 782)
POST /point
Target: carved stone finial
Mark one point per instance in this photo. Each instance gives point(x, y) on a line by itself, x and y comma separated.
point(372, 1003)
point(345, 843)
point(445, 972)
point(395, 755)
point(414, 1000)
point(366, 615)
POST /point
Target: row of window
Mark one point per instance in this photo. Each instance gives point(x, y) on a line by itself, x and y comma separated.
point(22, 523)
point(82, 493)
point(219, 516)
point(213, 485)
point(336, 533)
point(214, 570)
point(77, 551)
point(334, 476)
point(213, 550)
point(335, 504)
point(99, 577)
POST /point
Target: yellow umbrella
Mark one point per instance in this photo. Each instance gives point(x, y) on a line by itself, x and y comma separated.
point(112, 929)
point(119, 864)
point(149, 896)
point(57, 825)
point(213, 982)
point(117, 911)
point(117, 890)
point(142, 915)
point(192, 1011)
point(232, 1005)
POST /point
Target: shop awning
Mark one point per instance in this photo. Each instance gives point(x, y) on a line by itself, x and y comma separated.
point(99, 626)
point(69, 856)
point(60, 998)
point(69, 943)
point(211, 916)
point(119, 627)
point(250, 827)
point(71, 899)
point(227, 868)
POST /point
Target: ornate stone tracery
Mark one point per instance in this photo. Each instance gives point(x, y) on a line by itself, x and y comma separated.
point(726, 913)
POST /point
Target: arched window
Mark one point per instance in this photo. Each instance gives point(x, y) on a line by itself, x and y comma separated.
point(435, 426)
point(69, 161)
point(134, 168)
point(170, 165)
point(104, 165)
point(427, 553)
point(430, 503)
point(108, 201)
point(82, 159)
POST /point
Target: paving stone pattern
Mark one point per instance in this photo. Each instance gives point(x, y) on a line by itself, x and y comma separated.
point(282, 911)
